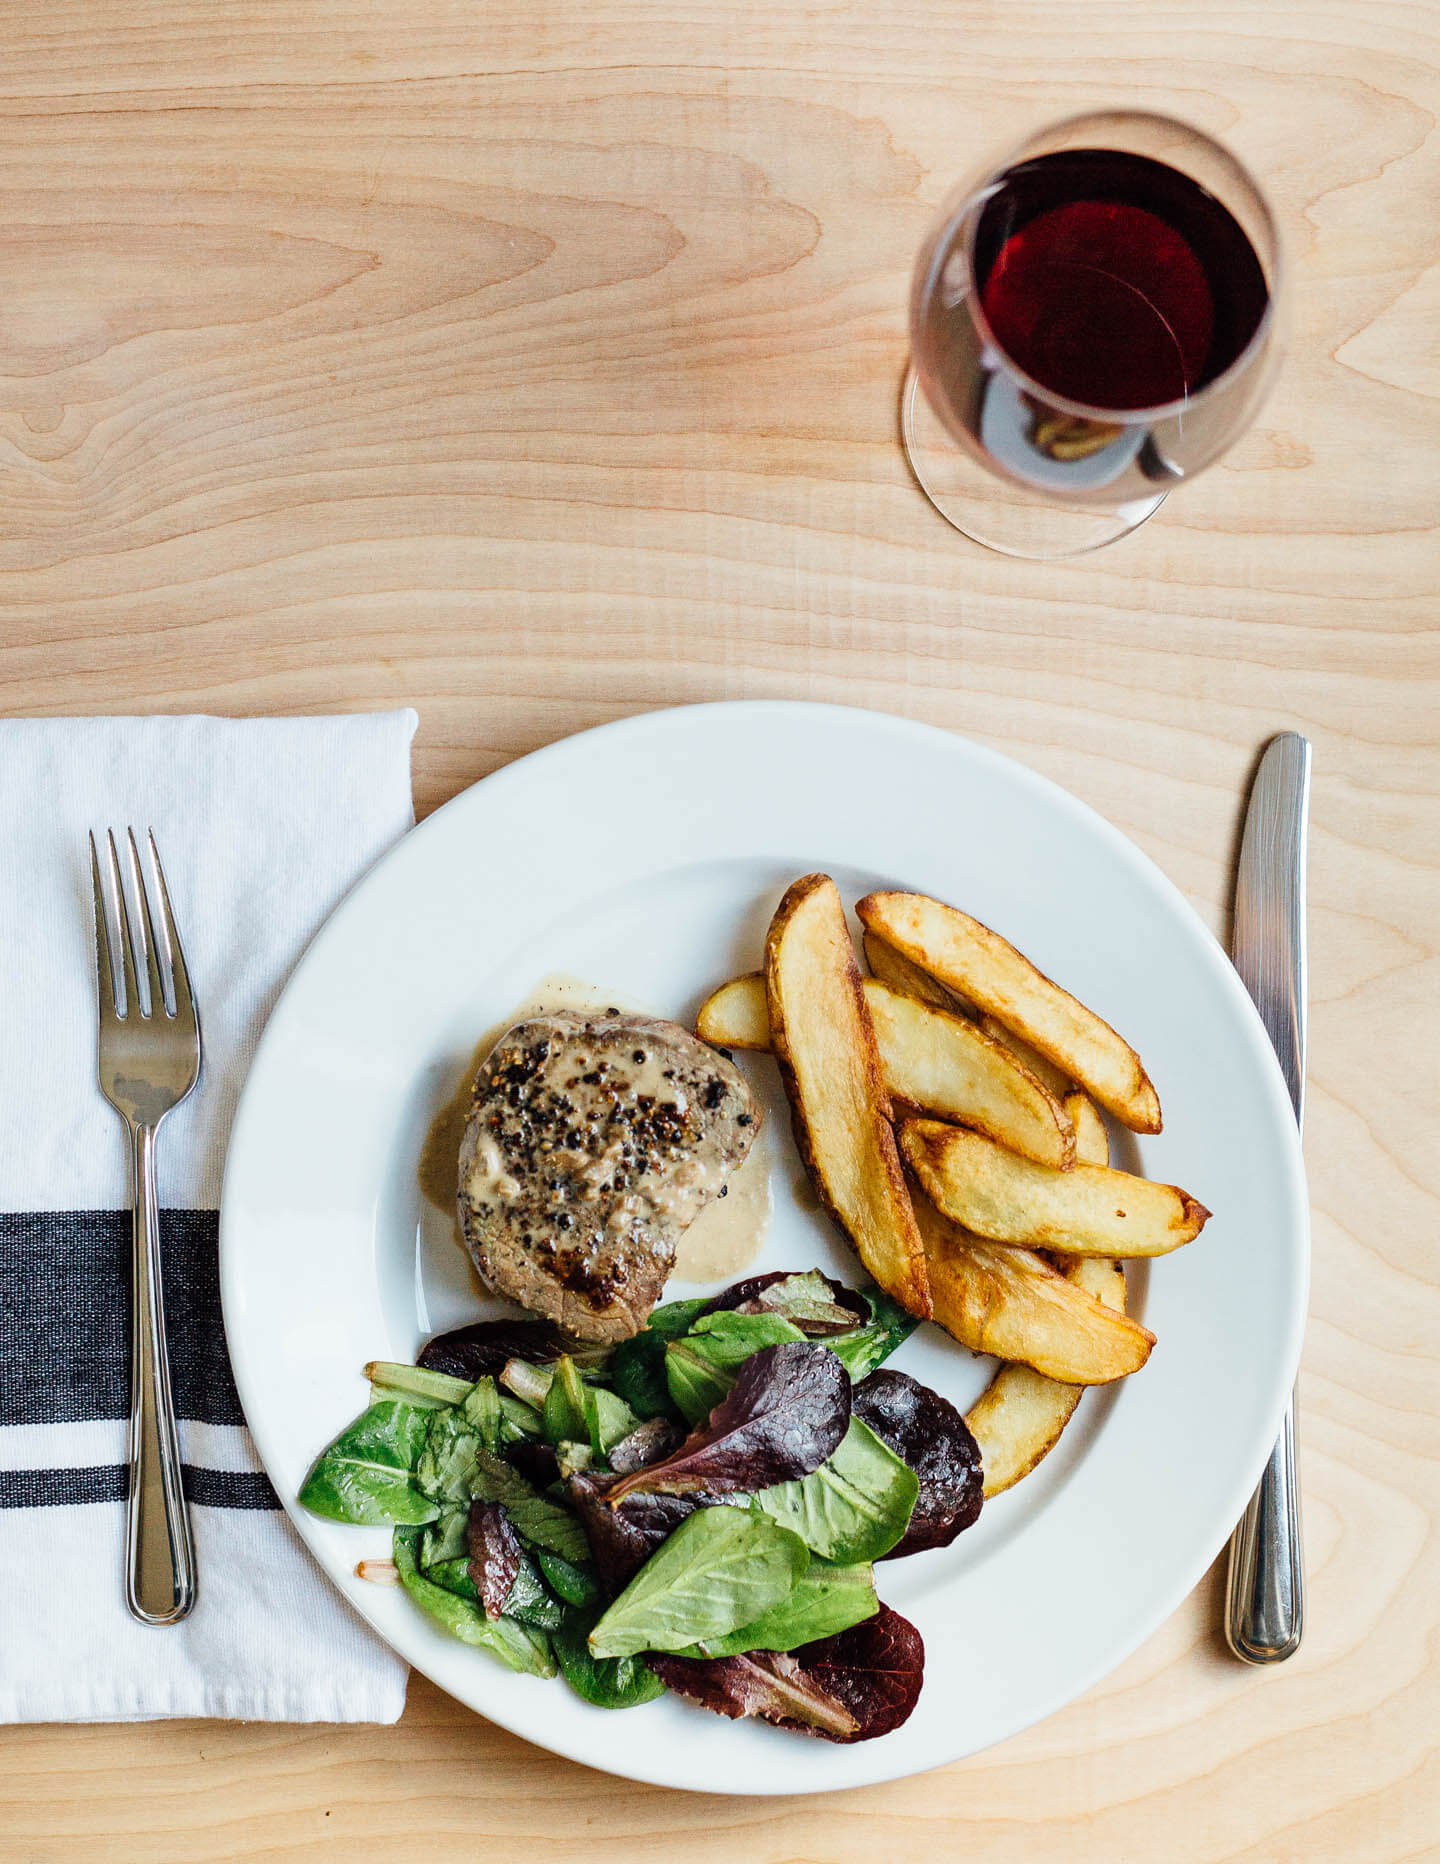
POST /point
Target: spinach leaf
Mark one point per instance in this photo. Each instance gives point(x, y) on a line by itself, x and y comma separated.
point(575, 1584)
point(608, 1682)
point(714, 1573)
point(637, 1373)
point(530, 1600)
point(522, 1647)
point(827, 1599)
point(676, 1317)
point(856, 1506)
point(563, 1412)
point(695, 1383)
point(533, 1516)
point(889, 1326)
point(454, 1576)
point(727, 1340)
point(482, 1412)
point(389, 1380)
point(784, 1416)
point(610, 1419)
point(447, 1538)
point(365, 1474)
point(447, 1468)
point(700, 1367)
point(518, 1421)
point(572, 1459)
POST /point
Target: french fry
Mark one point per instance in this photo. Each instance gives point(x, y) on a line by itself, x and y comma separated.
point(931, 1059)
point(824, 1043)
point(1018, 1419)
point(986, 970)
point(1087, 1211)
point(997, 1299)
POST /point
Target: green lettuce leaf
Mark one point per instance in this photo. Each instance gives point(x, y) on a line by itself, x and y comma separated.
point(365, 1475)
point(713, 1574)
point(854, 1507)
point(826, 1600)
point(521, 1647)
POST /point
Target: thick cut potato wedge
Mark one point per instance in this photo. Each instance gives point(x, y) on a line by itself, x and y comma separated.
point(824, 1042)
point(938, 1061)
point(1019, 1417)
point(1088, 1211)
point(1043, 1069)
point(930, 1059)
point(737, 1015)
point(895, 969)
point(986, 970)
point(997, 1299)
point(1092, 1142)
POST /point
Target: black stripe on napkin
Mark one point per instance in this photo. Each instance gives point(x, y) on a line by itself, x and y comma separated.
point(108, 1482)
point(228, 1488)
point(65, 1317)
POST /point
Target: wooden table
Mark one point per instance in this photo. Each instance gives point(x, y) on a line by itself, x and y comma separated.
point(537, 364)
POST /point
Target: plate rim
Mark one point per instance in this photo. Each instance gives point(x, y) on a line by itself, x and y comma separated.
point(1049, 794)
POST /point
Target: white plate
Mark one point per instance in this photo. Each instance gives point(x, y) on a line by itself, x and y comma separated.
point(646, 857)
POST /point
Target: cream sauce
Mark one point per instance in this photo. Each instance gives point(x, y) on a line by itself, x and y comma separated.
point(729, 1233)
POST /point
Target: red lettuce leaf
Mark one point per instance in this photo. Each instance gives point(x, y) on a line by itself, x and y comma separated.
point(494, 1555)
point(481, 1350)
point(623, 1538)
point(854, 1686)
point(648, 1443)
point(875, 1668)
point(927, 1432)
point(792, 1294)
point(786, 1412)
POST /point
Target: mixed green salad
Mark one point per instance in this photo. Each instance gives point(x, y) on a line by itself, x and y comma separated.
point(697, 1509)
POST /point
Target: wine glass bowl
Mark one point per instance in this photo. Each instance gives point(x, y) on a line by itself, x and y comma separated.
point(1092, 321)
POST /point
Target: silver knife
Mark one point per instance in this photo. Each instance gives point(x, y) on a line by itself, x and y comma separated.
point(1265, 1597)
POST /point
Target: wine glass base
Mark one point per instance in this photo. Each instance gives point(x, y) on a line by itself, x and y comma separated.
point(999, 513)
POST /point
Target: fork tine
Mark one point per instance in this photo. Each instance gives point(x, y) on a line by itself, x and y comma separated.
point(175, 951)
point(104, 962)
point(147, 930)
point(122, 916)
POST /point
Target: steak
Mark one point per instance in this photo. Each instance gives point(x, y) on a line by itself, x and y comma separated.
point(593, 1143)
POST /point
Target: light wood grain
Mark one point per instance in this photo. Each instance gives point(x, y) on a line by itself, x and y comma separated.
point(536, 365)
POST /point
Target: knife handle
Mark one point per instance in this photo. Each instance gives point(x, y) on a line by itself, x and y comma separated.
point(1265, 1597)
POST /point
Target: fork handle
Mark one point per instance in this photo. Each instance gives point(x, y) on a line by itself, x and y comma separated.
point(159, 1553)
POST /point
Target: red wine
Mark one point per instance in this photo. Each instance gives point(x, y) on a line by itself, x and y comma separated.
point(1115, 280)
point(1097, 278)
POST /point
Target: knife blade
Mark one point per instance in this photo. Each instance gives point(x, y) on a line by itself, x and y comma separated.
point(1265, 1594)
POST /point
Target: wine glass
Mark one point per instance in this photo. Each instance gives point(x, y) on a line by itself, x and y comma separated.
point(1092, 320)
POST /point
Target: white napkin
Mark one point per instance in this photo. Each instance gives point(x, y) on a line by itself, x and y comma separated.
point(263, 825)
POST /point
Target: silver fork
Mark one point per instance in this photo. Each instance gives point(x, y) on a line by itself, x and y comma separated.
point(149, 1061)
